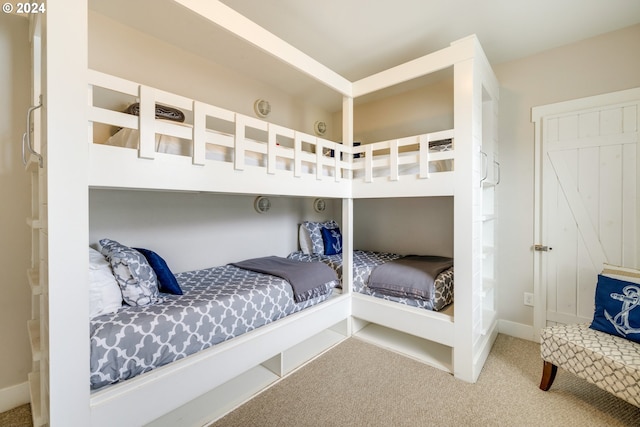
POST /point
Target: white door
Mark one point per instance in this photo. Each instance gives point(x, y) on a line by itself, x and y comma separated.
point(587, 186)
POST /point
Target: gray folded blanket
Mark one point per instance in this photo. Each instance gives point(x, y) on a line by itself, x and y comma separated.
point(411, 276)
point(306, 278)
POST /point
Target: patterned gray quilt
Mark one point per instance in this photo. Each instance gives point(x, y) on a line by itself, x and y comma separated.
point(218, 304)
point(363, 264)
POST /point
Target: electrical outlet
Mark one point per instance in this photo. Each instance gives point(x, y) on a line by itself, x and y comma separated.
point(528, 299)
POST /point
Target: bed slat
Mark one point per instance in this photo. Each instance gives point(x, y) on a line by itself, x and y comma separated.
point(146, 120)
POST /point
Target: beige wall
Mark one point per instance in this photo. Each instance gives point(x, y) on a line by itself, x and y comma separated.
point(602, 64)
point(122, 51)
point(15, 302)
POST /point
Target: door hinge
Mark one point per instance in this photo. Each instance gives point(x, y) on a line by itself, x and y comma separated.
point(542, 248)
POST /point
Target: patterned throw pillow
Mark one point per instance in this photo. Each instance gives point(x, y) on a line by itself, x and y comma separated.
point(315, 233)
point(135, 276)
point(332, 239)
point(617, 308)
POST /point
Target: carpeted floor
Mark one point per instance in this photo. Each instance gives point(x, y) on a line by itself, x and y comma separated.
point(358, 384)
point(17, 417)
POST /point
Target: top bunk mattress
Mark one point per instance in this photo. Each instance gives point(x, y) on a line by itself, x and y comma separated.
point(364, 262)
point(218, 304)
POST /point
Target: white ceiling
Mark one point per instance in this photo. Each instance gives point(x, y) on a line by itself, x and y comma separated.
point(357, 38)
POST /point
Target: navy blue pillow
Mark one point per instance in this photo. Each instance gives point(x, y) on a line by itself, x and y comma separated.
point(166, 280)
point(332, 239)
point(617, 308)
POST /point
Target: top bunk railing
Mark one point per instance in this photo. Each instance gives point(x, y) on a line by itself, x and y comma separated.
point(212, 135)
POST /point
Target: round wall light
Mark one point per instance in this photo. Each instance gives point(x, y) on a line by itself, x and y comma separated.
point(262, 108)
point(319, 205)
point(262, 204)
point(320, 128)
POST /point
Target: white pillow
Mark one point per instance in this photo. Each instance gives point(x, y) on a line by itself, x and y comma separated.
point(104, 293)
point(621, 273)
point(305, 240)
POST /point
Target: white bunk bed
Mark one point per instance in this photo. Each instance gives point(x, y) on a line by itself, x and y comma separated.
point(259, 158)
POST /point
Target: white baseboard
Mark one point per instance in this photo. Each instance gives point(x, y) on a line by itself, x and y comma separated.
point(14, 396)
point(517, 330)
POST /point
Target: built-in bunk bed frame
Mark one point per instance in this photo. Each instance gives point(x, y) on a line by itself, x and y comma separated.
point(457, 340)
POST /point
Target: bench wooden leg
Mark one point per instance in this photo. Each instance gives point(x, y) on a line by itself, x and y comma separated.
point(548, 375)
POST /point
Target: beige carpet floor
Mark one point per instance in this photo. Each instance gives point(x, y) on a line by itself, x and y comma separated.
point(17, 417)
point(358, 384)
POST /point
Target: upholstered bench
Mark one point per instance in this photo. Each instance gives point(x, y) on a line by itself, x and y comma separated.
point(610, 362)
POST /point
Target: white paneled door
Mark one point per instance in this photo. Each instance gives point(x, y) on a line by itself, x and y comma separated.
point(587, 210)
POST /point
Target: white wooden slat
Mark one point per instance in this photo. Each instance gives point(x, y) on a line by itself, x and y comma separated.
point(611, 121)
point(297, 154)
point(630, 213)
point(589, 182)
point(199, 133)
point(220, 113)
point(271, 150)
point(443, 134)
point(337, 156)
point(368, 163)
point(393, 173)
point(146, 120)
point(424, 157)
point(586, 279)
point(568, 127)
point(610, 221)
point(566, 253)
point(319, 157)
point(630, 119)
point(238, 159)
point(548, 235)
point(113, 118)
point(570, 158)
point(219, 138)
point(89, 108)
point(96, 78)
point(588, 124)
point(173, 100)
point(252, 122)
point(550, 130)
point(596, 141)
point(174, 129)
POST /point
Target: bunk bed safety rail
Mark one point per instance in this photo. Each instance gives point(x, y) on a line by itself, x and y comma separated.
point(209, 134)
point(405, 156)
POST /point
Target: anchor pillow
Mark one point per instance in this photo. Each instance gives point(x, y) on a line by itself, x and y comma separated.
point(617, 309)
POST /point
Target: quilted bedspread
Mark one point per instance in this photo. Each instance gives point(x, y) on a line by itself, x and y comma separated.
point(363, 264)
point(218, 304)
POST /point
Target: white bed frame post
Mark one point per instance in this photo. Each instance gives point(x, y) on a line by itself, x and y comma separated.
point(464, 97)
point(473, 339)
point(347, 207)
point(65, 130)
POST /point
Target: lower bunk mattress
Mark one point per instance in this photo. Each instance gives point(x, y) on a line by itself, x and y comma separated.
point(364, 262)
point(218, 304)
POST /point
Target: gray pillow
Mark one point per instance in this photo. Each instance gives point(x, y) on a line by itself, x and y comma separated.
point(315, 233)
point(132, 271)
